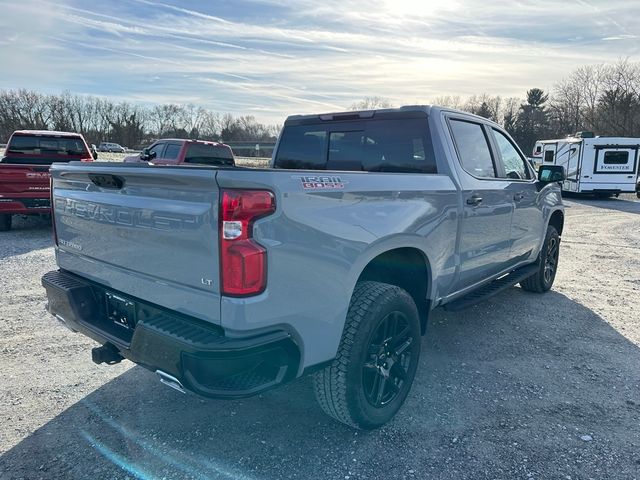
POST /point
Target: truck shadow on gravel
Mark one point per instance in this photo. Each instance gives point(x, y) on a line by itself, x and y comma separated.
point(504, 390)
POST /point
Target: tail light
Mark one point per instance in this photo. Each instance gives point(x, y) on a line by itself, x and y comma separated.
point(243, 261)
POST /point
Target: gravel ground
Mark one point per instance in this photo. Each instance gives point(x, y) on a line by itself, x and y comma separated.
point(522, 386)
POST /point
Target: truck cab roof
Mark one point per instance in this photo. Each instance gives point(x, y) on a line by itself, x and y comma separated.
point(406, 111)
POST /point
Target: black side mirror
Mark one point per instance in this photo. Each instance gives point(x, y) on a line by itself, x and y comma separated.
point(94, 154)
point(551, 173)
point(147, 155)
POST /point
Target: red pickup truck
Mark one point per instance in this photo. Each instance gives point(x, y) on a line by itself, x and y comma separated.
point(24, 170)
point(177, 151)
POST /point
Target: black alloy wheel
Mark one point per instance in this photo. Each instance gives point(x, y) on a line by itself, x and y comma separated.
point(389, 357)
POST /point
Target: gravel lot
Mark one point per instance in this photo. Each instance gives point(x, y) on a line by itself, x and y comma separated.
point(522, 386)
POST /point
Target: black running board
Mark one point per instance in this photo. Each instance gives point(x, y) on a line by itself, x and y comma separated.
point(491, 289)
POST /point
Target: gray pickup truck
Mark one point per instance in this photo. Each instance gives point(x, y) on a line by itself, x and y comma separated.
point(228, 281)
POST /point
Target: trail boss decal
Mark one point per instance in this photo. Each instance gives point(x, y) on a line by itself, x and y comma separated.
point(322, 182)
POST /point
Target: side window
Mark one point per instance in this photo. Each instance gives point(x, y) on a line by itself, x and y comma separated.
point(548, 156)
point(616, 157)
point(473, 148)
point(158, 149)
point(514, 166)
point(172, 151)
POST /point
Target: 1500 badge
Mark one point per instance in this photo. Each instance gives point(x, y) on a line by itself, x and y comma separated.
point(321, 182)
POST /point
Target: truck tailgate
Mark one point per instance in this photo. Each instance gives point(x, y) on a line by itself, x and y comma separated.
point(140, 231)
point(23, 179)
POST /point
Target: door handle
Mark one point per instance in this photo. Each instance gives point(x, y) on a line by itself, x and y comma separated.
point(518, 196)
point(474, 200)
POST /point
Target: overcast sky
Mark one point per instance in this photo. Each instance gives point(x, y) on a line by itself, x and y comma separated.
point(271, 58)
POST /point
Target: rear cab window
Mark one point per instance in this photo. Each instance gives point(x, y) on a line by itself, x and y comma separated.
point(45, 149)
point(209, 154)
point(401, 145)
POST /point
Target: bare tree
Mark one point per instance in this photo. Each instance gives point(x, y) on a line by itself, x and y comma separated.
point(371, 103)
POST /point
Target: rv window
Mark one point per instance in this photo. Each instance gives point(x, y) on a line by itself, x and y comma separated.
point(616, 158)
point(548, 156)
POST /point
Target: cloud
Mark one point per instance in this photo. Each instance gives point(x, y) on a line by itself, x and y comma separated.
point(276, 58)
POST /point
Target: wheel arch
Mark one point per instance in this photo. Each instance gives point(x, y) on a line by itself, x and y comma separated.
point(406, 267)
point(557, 220)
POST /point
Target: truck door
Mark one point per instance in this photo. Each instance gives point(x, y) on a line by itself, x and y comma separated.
point(486, 223)
point(527, 221)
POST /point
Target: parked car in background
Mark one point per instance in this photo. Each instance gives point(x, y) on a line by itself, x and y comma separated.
point(111, 147)
point(24, 170)
point(176, 151)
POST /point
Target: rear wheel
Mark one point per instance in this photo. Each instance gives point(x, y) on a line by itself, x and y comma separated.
point(543, 279)
point(5, 222)
point(372, 374)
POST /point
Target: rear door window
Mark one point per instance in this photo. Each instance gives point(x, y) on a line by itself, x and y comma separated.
point(473, 148)
point(386, 145)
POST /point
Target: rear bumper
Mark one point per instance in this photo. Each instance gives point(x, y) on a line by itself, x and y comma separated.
point(198, 354)
point(25, 206)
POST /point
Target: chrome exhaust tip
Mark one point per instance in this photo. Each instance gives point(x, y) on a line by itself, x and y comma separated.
point(170, 381)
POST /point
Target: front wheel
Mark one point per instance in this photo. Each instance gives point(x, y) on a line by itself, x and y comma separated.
point(372, 374)
point(5, 222)
point(542, 280)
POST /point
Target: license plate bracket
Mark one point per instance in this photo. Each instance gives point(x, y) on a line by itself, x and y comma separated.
point(120, 310)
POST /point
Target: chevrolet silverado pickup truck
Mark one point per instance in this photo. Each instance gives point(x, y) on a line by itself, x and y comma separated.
point(229, 281)
point(24, 170)
point(177, 151)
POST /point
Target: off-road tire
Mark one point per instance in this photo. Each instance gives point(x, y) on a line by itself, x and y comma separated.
point(539, 282)
point(340, 387)
point(5, 222)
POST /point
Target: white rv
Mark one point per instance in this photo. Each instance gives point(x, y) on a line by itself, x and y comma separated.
point(600, 165)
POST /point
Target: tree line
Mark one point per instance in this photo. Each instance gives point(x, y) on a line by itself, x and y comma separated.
point(102, 120)
point(604, 99)
point(601, 98)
